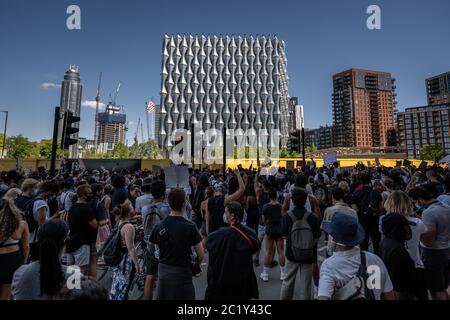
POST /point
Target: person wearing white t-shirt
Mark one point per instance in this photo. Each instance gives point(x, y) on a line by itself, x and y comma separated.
point(345, 262)
point(146, 198)
point(41, 213)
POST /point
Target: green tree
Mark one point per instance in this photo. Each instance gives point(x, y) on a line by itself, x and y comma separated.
point(120, 151)
point(1, 141)
point(45, 149)
point(432, 152)
point(284, 153)
point(145, 150)
point(20, 148)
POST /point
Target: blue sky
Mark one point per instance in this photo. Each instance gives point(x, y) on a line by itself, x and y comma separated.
point(123, 39)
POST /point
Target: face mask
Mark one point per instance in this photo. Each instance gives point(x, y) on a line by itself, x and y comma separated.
point(34, 192)
point(418, 206)
point(225, 220)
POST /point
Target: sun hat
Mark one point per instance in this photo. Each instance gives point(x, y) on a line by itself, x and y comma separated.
point(344, 229)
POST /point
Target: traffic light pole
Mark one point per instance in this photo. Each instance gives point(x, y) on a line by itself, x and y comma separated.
point(192, 144)
point(55, 141)
point(224, 152)
point(303, 151)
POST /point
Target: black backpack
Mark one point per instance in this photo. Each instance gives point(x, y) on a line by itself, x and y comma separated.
point(112, 249)
point(369, 203)
point(28, 214)
point(216, 210)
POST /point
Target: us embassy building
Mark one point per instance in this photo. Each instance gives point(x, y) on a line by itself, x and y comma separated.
point(217, 82)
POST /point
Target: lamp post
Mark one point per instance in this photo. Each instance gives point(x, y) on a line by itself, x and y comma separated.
point(4, 133)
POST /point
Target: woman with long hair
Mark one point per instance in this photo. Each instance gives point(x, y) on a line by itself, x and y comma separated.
point(107, 202)
point(42, 279)
point(199, 197)
point(123, 274)
point(399, 202)
point(14, 247)
point(208, 194)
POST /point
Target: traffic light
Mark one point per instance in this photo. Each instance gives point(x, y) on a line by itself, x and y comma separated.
point(289, 146)
point(69, 130)
point(294, 139)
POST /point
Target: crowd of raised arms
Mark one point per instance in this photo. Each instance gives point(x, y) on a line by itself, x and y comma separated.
point(386, 233)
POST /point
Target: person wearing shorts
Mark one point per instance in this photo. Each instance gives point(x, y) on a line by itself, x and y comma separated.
point(83, 230)
point(271, 214)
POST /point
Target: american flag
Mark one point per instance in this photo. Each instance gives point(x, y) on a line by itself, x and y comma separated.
point(151, 106)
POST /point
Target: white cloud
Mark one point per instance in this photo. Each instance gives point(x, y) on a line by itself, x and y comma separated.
point(49, 85)
point(93, 104)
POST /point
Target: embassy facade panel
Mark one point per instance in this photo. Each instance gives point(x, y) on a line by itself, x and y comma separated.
point(223, 81)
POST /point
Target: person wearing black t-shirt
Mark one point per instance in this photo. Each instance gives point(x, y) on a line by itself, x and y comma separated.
point(83, 229)
point(175, 237)
point(272, 219)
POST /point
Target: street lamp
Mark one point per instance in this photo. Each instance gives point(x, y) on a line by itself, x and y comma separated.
point(4, 132)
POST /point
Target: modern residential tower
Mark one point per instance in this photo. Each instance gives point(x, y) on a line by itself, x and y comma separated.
point(216, 81)
point(71, 90)
point(438, 89)
point(364, 108)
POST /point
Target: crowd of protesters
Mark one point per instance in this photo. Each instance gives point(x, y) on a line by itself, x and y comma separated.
point(395, 221)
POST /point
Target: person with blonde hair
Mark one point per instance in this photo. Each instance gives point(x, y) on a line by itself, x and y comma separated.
point(12, 194)
point(399, 202)
point(14, 247)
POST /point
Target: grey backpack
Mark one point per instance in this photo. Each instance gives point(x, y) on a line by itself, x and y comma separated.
point(152, 218)
point(302, 238)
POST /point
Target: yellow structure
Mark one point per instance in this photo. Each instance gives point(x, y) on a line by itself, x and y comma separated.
point(147, 164)
point(26, 165)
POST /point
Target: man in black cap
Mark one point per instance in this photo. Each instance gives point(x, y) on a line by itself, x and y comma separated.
point(345, 262)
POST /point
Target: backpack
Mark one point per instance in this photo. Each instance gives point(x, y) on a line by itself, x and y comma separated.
point(369, 204)
point(321, 195)
point(216, 210)
point(65, 214)
point(301, 237)
point(29, 214)
point(112, 249)
point(356, 288)
point(151, 220)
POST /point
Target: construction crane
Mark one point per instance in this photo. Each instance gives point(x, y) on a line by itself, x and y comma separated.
point(137, 131)
point(97, 106)
point(113, 100)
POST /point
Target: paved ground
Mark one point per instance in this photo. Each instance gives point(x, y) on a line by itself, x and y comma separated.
point(267, 290)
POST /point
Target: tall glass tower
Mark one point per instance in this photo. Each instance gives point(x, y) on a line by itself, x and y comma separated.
point(71, 99)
